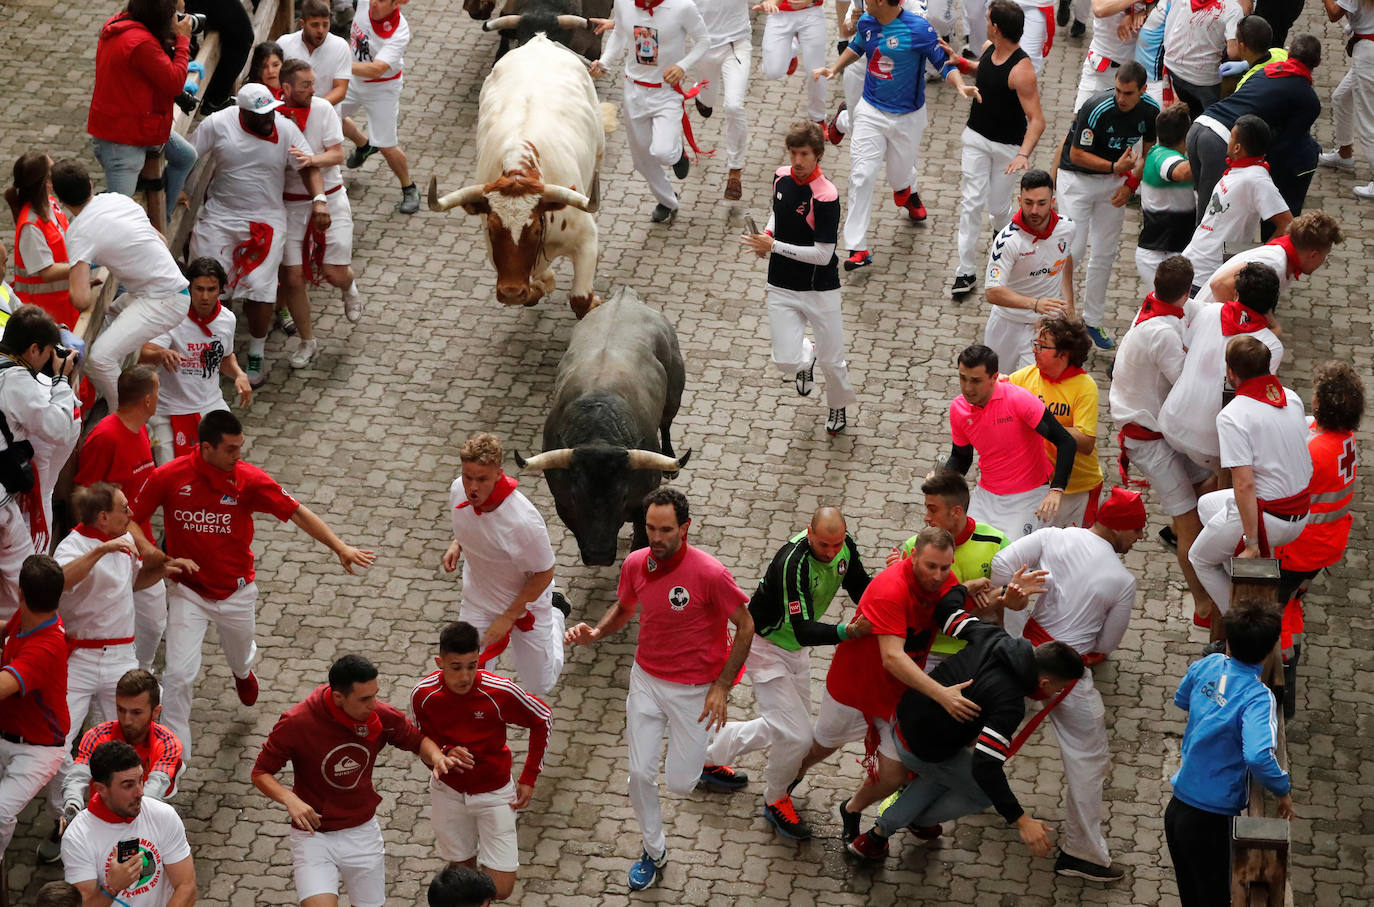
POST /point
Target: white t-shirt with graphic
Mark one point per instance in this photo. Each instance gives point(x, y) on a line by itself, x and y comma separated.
point(89, 849)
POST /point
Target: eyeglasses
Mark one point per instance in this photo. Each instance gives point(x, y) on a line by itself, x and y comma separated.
point(1040, 346)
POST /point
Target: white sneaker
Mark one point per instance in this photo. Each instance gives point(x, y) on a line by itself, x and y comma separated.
point(353, 303)
point(304, 354)
point(1365, 191)
point(1333, 159)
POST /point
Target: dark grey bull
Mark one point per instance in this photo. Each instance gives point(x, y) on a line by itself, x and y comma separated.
point(606, 439)
point(564, 21)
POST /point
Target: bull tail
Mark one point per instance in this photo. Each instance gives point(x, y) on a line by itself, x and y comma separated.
point(608, 117)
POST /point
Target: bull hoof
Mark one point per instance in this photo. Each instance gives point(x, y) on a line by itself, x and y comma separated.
point(581, 305)
point(532, 302)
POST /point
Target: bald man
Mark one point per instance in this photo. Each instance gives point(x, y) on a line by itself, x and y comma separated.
point(788, 606)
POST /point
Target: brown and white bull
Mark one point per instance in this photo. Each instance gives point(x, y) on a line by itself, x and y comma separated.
point(541, 134)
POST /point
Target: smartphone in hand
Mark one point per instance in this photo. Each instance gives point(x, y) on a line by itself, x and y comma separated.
point(749, 222)
point(126, 850)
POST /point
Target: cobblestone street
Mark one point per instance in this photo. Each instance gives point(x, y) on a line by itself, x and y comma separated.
point(368, 436)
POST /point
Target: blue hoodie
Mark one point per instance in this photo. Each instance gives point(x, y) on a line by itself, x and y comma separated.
point(1232, 733)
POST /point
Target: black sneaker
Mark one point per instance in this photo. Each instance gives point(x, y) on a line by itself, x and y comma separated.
point(849, 823)
point(1066, 865)
point(1078, 30)
point(663, 214)
point(1167, 536)
point(410, 200)
point(561, 603)
point(703, 109)
point(723, 777)
point(783, 816)
point(682, 167)
point(360, 154)
point(836, 422)
point(793, 786)
point(963, 285)
point(806, 378)
point(1062, 16)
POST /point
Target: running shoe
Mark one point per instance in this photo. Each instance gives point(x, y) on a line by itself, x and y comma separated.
point(783, 816)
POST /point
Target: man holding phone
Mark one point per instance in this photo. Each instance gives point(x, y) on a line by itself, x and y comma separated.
point(124, 848)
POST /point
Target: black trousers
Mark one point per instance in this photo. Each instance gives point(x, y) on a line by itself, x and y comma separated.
point(230, 18)
point(1197, 97)
point(1200, 847)
point(1280, 14)
point(1207, 157)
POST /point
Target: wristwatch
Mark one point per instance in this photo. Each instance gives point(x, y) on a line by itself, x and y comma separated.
point(320, 198)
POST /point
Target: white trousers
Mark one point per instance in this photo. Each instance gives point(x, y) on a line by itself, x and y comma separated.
point(24, 769)
point(150, 621)
point(726, 70)
point(188, 616)
point(1011, 339)
point(1014, 514)
point(652, 708)
point(1147, 262)
point(140, 319)
point(1087, 199)
point(1090, 81)
point(852, 82)
point(1221, 532)
point(789, 312)
point(879, 137)
point(1172, 475)
point(537, 652)
point(1082, 732)
point(653, 127)
point(160, 430)
point(1352, 103)
point(807, 26)
point(782, 689)
point(91, 678)
point(1035, 39)
point(16, 544)
point(986, 188)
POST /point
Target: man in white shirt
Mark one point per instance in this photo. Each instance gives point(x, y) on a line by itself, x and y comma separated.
point(795, 26)
point(1086, 605)
point(378, 38)
point(315, 255)
point(1244, 196)
point(1107, 50)
point(727, 64)
point(1294, 255)
point(193, 356)
point(1030, 273)
point(508, 564)
point(327, 53)
point(1188, 417)
point(1263, 438)
point(242, 224)
point(124, 848)
point(1198, 37)
point(113, 230)
point(651, 41)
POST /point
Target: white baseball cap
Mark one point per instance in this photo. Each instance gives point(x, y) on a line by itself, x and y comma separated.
point(256, 98)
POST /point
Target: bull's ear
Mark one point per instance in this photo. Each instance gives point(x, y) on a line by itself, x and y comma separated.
point(481, 206)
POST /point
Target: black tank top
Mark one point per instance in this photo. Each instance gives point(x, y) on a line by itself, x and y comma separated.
point(999, 118)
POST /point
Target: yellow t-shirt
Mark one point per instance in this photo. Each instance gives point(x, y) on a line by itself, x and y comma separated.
point(1073, 402)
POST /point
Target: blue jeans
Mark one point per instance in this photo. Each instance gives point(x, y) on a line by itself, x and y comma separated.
point(123, 163)
point(941, 792)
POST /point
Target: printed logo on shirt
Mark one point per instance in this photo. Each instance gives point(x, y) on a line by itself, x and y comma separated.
point(203, 521)
point(679, 598)
point(149, 875)
point(843, 566)
point(479, 715)
point(994, 273)
point(203, 359)
point(646, 45)
point(185, 491)
point(1210, 690)
point(879, 66)
point(794, 607)
point(1085, 137)
point(362, 48)
point(343, 766)
point(229, 501)
point(1063, 244)
point(892, 42)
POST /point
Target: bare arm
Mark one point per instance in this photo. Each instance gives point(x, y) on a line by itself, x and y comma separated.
point(1281, 222)
point(899, 664)
point(615, 618)
point(75, 571)
point(79, 286)
point(336, 94)
point(371, 70)
point(316, 528)
point(1027, 88)
point(718, 696)
point(535, 584)
point(1243, 481)
point(182, 876)
point(303, 815)
point(1006, 296)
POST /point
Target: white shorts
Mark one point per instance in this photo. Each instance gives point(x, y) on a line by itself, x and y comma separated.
point(338, 239)
point(217, 239)
point(382, 103)
point(356, 854)
point(1172, 475)
point(1014, 514)
point(838, 724)
point(475, 825)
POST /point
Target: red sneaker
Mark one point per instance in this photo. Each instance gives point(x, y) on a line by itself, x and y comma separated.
point(832, 133)
point(1203, 622)
point(914, 209)
point(247, 688)
point(868, 846)
point(927, 832)
point(792, 67)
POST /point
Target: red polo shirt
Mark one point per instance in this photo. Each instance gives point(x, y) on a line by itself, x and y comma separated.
point(38, 660)
point(112, 453)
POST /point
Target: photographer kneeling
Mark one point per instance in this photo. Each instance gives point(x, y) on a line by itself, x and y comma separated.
point(39, 430)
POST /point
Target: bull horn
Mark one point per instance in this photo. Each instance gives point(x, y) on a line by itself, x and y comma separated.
point(549, 459)
point(573, 23)
point(565, 196)
point(464, 196)
point(652, 459)
point(500, 23)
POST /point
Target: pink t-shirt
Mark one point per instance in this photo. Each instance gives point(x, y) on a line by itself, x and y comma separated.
point(684, 606)
point(1011, 455)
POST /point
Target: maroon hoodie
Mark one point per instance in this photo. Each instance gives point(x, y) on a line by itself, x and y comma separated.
point(135, 84)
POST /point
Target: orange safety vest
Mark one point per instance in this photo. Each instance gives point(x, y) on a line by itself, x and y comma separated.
point(52, 296)
point(1324, 538)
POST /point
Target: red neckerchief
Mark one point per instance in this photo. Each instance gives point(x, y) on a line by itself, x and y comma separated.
point(1240, 319)
point(1285, 243)
point(1200, 5)
point(1265, 389)
point(370, 729)
point(386, 27)
point(252, 252)
point(101, 811)
point(297, 115)
point(1072, 371)
point(1049, 228)
point(204, 323)
point(504, 486)
point(647, 5)
point(966, 534)
point(218, 479)
point(815, 175)
point(659, 568)
point(266, 138)
point(1239, 162)
point(91, 532)
point(1153, 307)
point(1289, 67)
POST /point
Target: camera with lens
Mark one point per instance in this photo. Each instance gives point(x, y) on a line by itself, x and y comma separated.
point(59, 352)
point(198, 22)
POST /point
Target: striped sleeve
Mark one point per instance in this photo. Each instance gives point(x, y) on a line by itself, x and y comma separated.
point(520, 708)
point(93, 738)
point(993, 744)
point(167, 754)
point(990, 752)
